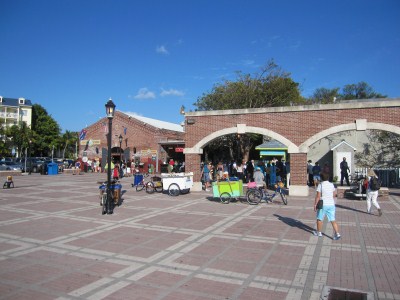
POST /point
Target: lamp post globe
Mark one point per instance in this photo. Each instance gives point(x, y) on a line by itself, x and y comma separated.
point(110, 110)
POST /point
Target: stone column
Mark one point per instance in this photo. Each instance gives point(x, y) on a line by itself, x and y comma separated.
point(192, 164)
point(298, 174)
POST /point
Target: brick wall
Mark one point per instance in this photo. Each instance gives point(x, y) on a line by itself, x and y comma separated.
point(297, 124)
point(139, 135)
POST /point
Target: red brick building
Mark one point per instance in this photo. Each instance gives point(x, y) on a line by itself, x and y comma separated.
point(144, 140)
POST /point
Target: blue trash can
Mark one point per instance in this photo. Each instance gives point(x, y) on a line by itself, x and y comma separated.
point(137, 179)
point(52, 169)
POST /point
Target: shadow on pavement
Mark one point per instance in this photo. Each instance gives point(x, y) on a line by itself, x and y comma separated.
point(294, 223)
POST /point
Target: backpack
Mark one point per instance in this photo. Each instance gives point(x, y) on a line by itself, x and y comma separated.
point(375, 185)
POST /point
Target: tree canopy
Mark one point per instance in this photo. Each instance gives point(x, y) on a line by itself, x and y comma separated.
point(271, 87)
point(361, 90)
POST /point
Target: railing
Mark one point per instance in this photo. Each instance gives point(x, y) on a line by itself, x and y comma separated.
point(389, 177)
point(8, 115)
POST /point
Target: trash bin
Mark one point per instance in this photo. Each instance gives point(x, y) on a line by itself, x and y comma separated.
point(137, 179)
point(52, 169)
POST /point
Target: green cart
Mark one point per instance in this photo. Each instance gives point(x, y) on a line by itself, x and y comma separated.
point(225, 190)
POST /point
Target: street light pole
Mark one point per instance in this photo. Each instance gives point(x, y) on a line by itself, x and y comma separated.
point(30, 159)
point(120, 153)
point(110, 109)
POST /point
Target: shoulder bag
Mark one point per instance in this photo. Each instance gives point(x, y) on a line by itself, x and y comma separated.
point(320, 203)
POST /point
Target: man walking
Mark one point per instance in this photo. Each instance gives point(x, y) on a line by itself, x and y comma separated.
point(344, 167)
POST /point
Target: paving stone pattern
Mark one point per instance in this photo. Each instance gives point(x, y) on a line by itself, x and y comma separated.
point(56, 244)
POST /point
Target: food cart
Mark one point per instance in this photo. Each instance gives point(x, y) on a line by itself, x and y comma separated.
point(225, 190)
point(177, 183)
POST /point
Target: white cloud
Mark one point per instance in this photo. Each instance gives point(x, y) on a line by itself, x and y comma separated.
point(162, 50)
point(144, 93)
point(171, 92)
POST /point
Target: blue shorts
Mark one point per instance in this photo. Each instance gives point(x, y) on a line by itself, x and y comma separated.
point(328, 211)
point(206, 177)
point(317, 177)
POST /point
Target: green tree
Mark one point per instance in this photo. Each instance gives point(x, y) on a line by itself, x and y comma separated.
point(19, 136)
point(324, 96)
point(46, 131)
point(271, 87)
point(361, 90)
point(4, 148)
point(68, 141)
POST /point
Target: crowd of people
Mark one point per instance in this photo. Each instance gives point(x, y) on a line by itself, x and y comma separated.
point(266, 172)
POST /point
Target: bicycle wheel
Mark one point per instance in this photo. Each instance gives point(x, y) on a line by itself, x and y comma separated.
point(104, 204)
point(158, 186)
point(139, 186)
point(225, 198)
point(253, 196)
point(150, 187)
point(173, 190)
point(284, 197)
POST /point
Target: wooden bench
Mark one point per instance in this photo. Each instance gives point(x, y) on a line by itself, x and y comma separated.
point(10, 173)
point(72, 171)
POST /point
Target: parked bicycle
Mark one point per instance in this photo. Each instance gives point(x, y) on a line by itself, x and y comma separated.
point(107, 203)
point(154, 185)
point(142, 184)
point(254, 196)
point(150, 186)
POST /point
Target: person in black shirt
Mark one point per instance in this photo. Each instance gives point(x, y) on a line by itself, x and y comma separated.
point(344, 167)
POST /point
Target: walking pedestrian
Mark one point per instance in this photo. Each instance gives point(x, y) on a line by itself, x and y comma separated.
point(372, 192)
point(327, 192)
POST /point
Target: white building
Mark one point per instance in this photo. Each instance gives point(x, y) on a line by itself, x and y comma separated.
point(15, 111)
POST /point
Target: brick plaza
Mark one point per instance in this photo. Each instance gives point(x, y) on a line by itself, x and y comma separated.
point(55, 244)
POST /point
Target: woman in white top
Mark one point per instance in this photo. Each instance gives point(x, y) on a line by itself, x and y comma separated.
point(326, 191)
point(372, 194)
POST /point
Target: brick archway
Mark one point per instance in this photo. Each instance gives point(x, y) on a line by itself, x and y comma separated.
point(296, 127)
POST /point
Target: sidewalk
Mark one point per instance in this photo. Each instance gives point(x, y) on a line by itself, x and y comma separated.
point(56, 244)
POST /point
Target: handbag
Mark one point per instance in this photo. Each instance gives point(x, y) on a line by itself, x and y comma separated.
point(320, 203)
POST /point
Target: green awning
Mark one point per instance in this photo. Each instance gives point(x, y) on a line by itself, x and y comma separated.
point(272, 153)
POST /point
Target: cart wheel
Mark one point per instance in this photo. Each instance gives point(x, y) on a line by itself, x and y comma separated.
point(253, 196)
point(225, 198)
point(139, 187)
point(150, 187)
point(158, 186)
point(174, 190)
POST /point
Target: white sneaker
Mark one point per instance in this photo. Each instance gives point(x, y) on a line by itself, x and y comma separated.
point(207, 190)
point(337, 236)
point(317, 233)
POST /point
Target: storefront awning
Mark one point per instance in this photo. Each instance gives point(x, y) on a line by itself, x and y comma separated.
point(272, 153)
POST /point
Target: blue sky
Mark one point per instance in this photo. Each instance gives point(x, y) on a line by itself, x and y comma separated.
point(151, 57)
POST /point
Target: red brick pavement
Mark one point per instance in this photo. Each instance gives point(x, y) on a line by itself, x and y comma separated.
point(55, 244)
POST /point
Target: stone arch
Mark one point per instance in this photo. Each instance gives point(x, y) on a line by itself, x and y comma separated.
point(358, 125)
point(241, 129)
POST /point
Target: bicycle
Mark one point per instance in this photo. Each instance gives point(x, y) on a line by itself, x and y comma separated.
point(154, 185)
point(254, 196)
point(142, 184)
point(107, 198)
